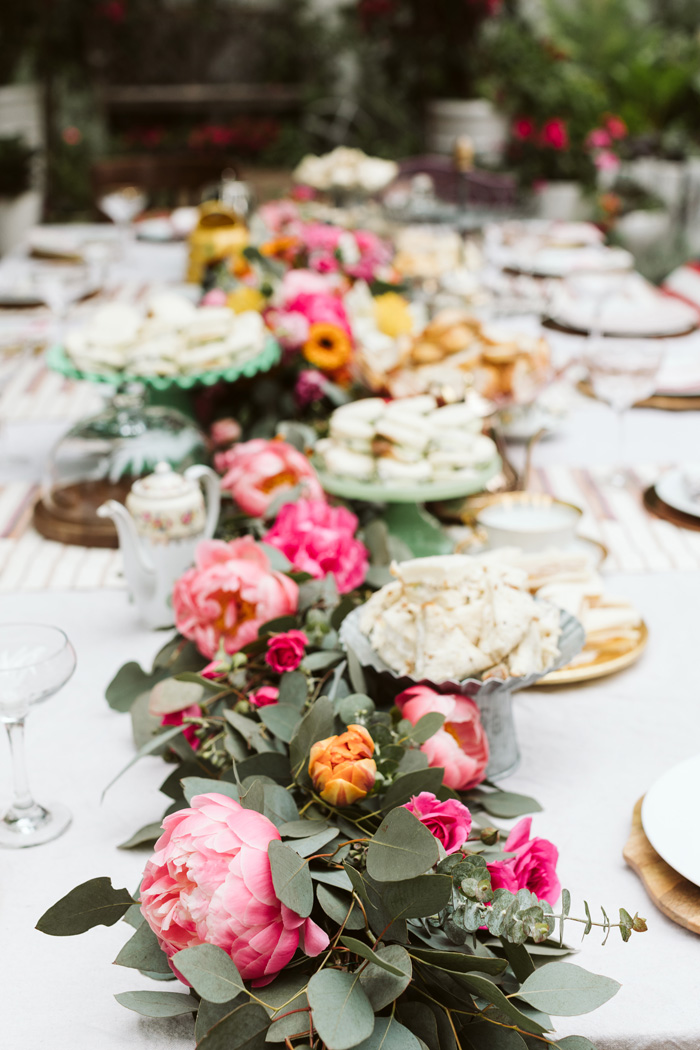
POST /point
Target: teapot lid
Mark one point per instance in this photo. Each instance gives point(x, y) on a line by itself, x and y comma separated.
point(164, 483)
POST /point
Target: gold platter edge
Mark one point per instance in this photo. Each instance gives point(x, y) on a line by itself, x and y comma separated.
point(588, 672)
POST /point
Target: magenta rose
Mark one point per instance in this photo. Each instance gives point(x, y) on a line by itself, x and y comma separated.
point(176, 718)
point(322, 309)
point(461, 746)
point(533, 868)
point(231, 591)
point(209, 882)
point(310, 387)
point(264, 696)
point(286, 651)
point(319, 539)
point(258, 471)
point(449, 821)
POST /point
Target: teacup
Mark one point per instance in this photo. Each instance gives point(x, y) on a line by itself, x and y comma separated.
point(529, 520)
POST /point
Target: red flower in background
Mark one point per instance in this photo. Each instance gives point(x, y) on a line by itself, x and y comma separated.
point(113, 10)
point(523, 128)
point(71, 135)
point(555, 134)
point(616, 126)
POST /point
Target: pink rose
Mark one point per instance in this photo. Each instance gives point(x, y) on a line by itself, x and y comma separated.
point(264, 696)
point(599, 138)
point(286, 651)
point(176, 718)
point(214, 297)
point(224, 432)
point(209, 882)
point(258, 471)
point(461, 745)
point(555, 134)
point(213, 670)
point(309, 387)
point(606, 160)
point(523, 128)
point(616, 126)
point(229, 594)
point(289, 327)
point(449, 821)
point(322, 309)
point(324, 262)
point(278, 214)
point(320, 237)
point(319, 539)
point(532, 868)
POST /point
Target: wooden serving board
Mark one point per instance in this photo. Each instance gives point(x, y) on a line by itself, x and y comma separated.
point(671, 893)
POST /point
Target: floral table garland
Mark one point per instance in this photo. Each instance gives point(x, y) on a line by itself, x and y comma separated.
point(327, 874)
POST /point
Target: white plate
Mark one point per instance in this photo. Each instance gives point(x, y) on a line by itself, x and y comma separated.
point(671, 489)
point(670, 816)
point(159, 229)
point(648, 316)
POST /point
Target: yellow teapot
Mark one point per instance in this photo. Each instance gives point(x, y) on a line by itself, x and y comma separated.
point(219, 234)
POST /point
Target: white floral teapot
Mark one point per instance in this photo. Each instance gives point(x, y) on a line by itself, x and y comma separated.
point(164, 519)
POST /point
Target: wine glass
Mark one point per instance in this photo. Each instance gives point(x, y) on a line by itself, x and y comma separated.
point(59, 288)
point(622, 372)
point(35, 662)
point(122, 205)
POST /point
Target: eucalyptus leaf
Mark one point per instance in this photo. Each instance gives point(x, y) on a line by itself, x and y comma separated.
point(317, 724)
point(303, 829)
point(157, 1004)
point(210, 1014)
point(340, 908)
point(211, 972)
point(170, 696)
point(291, 878)
point(93, 903)
point(312, 845)
point(244, 1028)
point(519, 958)
point(145, 836)
point(354, 707)
point(280, 719)
point(288, 995)
point(401, 848)
point(338, 878)
point(252, 732)
point(426, 727)
point(459, 962)
point(143, 952)
point(483, 1035)
point(322, 660)
point(389, 1034)
point(201, 786)
point(294, 689)
point(417, 898)
point(489, 991)
point(507, 805)
point(278, 805)
point(253, 794)
point(575, 1042)
point(420, 1019)
point(355, 672)
point(342, 1013)
point(129, 682)
point(380, 985)
point(412, 783)
point(269, 763)
point(566, 990)
point(365, 952)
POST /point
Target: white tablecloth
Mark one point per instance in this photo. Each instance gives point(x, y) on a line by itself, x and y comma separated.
point(588, 754)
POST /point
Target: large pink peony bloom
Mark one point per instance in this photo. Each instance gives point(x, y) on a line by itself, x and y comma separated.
point(258, 471)
point(449, 822)
point(303, 282)
point(228, 594)
point(461, 745)
point(209, 882)
point(534, 866)
point(319, 539)
point(321, 309)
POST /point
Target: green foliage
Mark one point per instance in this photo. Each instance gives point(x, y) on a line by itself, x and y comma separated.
point(93, 903)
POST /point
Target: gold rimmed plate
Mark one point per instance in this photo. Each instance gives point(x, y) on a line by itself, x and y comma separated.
point(608, 660)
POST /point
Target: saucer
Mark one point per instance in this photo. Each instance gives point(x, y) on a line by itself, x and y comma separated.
point(670, 488)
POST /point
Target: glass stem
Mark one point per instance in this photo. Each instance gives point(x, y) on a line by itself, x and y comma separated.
point(23, 798)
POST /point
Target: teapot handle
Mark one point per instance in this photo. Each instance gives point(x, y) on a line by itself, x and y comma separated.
point(212, 491)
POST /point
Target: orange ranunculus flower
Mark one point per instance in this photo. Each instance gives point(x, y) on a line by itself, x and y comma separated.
point(342, 768)
point(282, 248)
point(327, 347)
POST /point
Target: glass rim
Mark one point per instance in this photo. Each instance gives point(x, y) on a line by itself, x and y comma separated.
point(66, 644)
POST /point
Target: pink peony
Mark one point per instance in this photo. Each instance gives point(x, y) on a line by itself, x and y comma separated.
point(322, 309)
point(290, 328)
point(176, 718)
point(209, 882)
point(258, 471)
point(224, 432)
point(532, 868)
point(449, 821)
point(264, 696)
point(286, 651)
point(461, 745)
point(319, 539)
point(303, 282)
point(229, 594)
point(554, 134)
point(320, 237)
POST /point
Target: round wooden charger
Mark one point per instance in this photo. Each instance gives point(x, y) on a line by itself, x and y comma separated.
point(656, 506)
point(675, 896)
point(667, 402)
point(70, 515)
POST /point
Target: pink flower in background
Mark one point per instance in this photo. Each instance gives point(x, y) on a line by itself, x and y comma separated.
point(374, 253)
point(264, 696)
point(278, 214)
point(214, 297)
point(599, 138)
point(324, 262)
point(319, 539)
point(209, 882)
point(213, 670)
point(71, 135)
point(290, 328)
point(286, 651)
point(461, 746)
point(606, 160)
point(225, 432)
point(302, 193)
point(523, 128)
point(320, 237)
point(322, 309)
point(449, 821)
point(532, 868)
point(616, 126)
point(258, 471)
point(554, 134)
point(302, 282)
point(229, 594)
point(310, 387)
point(178, 717)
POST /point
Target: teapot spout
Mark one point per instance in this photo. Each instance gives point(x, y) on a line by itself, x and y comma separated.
point(140, 572)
